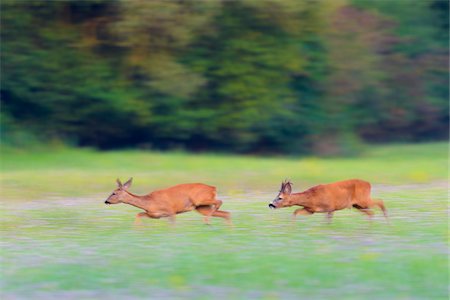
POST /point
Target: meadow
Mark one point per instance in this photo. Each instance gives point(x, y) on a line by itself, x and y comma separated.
point(59, 239)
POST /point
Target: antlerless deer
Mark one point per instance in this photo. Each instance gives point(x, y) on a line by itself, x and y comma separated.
point(171, 201)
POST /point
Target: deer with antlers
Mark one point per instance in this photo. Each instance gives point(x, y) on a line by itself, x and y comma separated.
point(171, 201)
point(328, 198)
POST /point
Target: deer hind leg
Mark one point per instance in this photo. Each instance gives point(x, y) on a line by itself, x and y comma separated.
point(217, 204)
point(204, 210)
point(213, 205)
point(380, 204)
point(208, 211)
point(364, 210)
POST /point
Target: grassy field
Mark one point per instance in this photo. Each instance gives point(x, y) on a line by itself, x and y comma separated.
point(30, 175)
point(60, 241)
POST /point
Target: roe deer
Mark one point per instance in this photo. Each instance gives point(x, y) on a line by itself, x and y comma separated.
point(327, 198)
point(171, 201)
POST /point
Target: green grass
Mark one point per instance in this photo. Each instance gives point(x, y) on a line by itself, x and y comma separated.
point(80, 172)
point(60, 240)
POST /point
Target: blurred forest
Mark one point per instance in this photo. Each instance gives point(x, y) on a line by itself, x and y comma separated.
point(247, 76)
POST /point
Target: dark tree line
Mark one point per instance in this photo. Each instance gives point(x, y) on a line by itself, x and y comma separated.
point(243, 76)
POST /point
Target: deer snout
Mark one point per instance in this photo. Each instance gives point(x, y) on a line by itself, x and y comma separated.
point(272, 206)
point(107, 202)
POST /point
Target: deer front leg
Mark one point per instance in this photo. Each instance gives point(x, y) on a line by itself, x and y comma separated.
point(138, 220)
point(301, 211)
point(172, 219)
point(329, 216)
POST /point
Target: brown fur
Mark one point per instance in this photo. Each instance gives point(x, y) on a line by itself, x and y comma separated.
point(171, 201)
point(328, 198)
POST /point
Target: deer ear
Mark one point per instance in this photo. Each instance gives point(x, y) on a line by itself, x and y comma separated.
point(127, 184)
point(288, 188)
point(119, 184)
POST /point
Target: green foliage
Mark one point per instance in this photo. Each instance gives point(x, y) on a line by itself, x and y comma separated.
point(243, 76)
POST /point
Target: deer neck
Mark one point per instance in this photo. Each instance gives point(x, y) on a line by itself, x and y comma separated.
point(137, 201)
point(300, 199)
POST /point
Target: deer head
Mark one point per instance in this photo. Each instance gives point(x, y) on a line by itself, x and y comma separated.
point(282, 199)
point(119, 193)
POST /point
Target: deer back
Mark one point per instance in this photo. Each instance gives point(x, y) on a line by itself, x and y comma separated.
point(183, 196)
point(338, 195)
